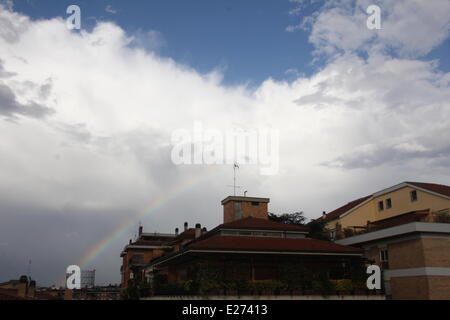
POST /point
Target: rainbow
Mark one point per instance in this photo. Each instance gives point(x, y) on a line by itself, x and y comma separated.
point(160, 200)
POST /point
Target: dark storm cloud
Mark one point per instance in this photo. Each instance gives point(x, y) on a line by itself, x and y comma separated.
point(53, 240)
point(10, 107)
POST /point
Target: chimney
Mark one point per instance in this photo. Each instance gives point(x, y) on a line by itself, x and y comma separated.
point(204, 230)
point(198, 230)
point(236, 208)
point(176, 231)
point(185, 226)
point(140, 230)
point(130, 241)
point(324, 214)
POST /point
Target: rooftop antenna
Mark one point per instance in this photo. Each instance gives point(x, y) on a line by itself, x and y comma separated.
point(235, 166)
point(29, 269)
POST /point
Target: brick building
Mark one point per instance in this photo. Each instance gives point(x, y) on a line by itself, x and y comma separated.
point(414, 257)
point(24, 288)
point(405, 229)
point(137, 254)
point(261, 249)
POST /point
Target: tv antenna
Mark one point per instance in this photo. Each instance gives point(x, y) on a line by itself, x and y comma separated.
point(29, 269)
point(235, 166)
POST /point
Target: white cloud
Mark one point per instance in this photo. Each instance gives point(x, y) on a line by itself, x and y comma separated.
point(109, 8)
point(340, 26)
point(108, 96)
point(115, 104)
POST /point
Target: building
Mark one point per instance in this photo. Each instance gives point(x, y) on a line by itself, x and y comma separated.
point(24, 288)
point(137, 254)
point(405, 229)
point(111, 292)
point(88, 278)
point(250, 248)
point(387, 203)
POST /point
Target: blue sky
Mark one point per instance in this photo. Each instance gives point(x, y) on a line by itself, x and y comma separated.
point(246, 39)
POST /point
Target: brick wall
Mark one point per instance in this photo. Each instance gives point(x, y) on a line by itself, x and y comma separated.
point(439, 287)
point(410, 288)
point(406, 254)
point(231, 210)
point(436, 252)
point(418, 253)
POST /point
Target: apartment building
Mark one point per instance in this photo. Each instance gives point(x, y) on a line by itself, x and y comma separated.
point(405, 229)
point(136, 254)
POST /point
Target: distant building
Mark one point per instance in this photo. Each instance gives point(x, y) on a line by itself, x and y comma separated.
point(137, 254)
point(405, 229)
point(24, 288)
point(87, 278)
point(111, 292)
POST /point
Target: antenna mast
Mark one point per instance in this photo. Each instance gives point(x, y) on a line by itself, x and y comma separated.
point(235, 166)
point(29, 269)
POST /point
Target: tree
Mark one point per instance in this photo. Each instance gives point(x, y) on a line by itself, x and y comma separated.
point(317, 230)
point(296, 218)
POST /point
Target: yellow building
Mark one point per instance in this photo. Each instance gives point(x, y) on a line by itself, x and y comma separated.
point(403, 198)
point(404, 229)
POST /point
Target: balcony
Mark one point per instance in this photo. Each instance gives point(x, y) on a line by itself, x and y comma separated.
point(442, 216)
point(136, 260)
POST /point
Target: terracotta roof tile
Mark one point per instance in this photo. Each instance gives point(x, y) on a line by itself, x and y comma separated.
point(270, 244)
point(412, 216)
point(438, 188)
point(341, 210)
point(148, 243)
point(188, 234)
point(264, 224)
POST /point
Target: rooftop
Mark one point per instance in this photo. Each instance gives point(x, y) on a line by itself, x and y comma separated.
point(398, 231)
point(433, 187)
point(261, 224)
point(271, 244)
point(439, 189)
point(341, 210)
point(245, 199)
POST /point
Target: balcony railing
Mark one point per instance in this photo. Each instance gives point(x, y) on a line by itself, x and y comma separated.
point(441, 216)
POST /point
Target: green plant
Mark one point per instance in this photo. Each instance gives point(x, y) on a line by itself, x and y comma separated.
point(348, 232)
point(266, 285)
point(323, 284)
point(342, 284)
point(206, 286)
point(317, 230)
point(295, 276)
point(442, 217)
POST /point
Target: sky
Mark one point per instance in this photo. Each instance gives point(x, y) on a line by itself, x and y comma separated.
point(87, 116)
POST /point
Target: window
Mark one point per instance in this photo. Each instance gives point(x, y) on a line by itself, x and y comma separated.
point(380, 205)
point(332, 235)
point(384, 258)
point(413, 195)
point(229, 233)
point(295, 235)
point(255, 203)
point(237, 210)
point(388, 203)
